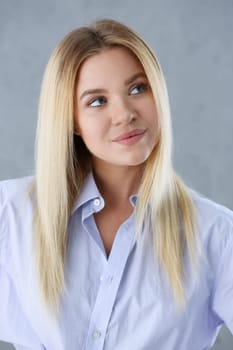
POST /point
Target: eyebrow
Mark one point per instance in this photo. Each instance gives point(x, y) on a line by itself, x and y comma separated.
point(101, 91)
point(134, 77)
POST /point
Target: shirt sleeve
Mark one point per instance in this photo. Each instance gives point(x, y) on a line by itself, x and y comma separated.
point(222, 302)
point(2, 224)
point(14, 325)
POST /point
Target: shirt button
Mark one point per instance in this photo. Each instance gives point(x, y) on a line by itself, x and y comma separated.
point(101, 278)
point(96, 202)
point(96, 334)
point(110, 278)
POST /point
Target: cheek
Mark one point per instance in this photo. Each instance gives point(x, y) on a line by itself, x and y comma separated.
point(84, 126)
point(90, 133)
point(153, 120)
point(86, 135)
point(154, 127)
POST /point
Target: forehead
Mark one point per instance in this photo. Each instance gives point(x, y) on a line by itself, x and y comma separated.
point(114, 63)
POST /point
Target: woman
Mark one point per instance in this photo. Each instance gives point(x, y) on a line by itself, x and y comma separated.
point(106, 248)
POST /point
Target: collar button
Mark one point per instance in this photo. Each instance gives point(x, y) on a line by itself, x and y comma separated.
point(97, 202)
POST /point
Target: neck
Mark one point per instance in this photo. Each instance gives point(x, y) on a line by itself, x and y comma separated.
point(117, 183)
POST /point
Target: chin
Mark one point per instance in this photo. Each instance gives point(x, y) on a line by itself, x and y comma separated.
point(142, 158)
point(137, 161)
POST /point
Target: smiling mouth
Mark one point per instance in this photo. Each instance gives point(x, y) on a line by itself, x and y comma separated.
point(131, 137)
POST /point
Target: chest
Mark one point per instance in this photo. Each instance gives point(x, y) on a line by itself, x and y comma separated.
point(108, 222)
point(125, 303)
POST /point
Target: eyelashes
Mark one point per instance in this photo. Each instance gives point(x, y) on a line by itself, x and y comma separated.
point(137, 89)
point(97, 102)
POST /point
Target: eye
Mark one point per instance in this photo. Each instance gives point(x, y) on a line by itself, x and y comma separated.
point(139, 88)
point(97, 102)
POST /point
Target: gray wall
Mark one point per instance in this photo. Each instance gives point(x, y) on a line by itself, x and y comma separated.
point(193, 40)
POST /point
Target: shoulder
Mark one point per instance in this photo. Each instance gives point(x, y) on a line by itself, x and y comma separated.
point(16, 202)
point(18, 291)
point(14, 191)
point(14, 187)
point(211, 212)
point(15, 195)
point(215, 226)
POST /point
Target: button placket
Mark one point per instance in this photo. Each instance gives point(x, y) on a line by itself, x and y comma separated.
point(96, 334)
point(101, 278)
point(108, 288)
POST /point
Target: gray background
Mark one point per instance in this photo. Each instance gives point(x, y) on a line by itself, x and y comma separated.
point(193, 40)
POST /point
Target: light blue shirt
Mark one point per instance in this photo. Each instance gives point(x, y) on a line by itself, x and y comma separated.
point(120, 303)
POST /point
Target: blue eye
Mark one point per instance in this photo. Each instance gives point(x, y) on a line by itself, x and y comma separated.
point(97, 102)
point(138, 89)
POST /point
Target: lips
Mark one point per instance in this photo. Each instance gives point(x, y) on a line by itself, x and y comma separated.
point(130, 138)
point(128, 135)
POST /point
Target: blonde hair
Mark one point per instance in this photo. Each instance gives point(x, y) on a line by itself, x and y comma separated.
point(62, 162)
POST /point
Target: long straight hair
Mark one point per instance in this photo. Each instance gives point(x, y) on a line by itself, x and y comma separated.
point(164, 206)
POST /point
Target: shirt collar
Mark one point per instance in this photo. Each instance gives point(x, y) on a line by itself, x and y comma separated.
point(133, 199)
point(88, 193)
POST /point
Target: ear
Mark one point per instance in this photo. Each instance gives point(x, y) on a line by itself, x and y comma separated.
point(77, 130)
point(76, 127)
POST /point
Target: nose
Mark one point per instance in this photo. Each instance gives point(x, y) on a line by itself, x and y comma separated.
point(122, 112)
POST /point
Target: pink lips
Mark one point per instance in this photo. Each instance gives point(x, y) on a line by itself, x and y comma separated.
point(131, 137)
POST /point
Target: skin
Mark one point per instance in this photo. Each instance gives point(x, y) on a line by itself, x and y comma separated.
point(113, 98)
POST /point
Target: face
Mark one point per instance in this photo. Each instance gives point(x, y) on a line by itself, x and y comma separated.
point(115, 111)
